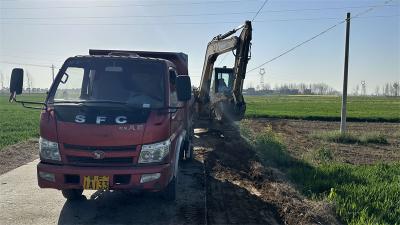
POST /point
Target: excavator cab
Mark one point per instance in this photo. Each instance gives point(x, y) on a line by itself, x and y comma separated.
point(223, 80)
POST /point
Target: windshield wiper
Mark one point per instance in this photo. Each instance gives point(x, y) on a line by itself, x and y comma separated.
point(91, 101)
point(86, 102)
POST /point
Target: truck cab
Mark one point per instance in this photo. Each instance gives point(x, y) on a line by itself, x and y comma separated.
point(116, 120)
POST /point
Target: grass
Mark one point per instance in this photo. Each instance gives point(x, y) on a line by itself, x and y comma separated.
point(367, 194)
point(374, 109)
point(352, 138)
point(322, 154)
point(16, 122)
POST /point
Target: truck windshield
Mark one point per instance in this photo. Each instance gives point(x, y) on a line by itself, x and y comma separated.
point(136, 82)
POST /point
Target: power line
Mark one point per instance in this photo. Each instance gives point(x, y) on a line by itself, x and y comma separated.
point(129, 5)
point(181, 15)
point(25, 64)
point(329, 8)
point(190, 23)
point(127, 16)
point(262, 6)
point(315, 36)
point(27, 58)
point(222, 60)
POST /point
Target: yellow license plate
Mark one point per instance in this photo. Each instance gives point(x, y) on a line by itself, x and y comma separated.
point(96, 182)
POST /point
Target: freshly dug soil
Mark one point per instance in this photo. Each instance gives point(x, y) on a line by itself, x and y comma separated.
point(240, 190)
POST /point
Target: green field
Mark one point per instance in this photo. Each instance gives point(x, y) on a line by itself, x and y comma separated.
point(16, 122)
point(324, 107)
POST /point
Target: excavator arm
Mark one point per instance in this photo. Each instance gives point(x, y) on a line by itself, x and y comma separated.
point(210, 103)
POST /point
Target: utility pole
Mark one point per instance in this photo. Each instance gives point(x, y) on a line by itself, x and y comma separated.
point(52, 70)
point(345, 77)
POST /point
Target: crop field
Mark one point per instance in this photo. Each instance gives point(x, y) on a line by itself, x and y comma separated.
point(384, 109)
point(16, 122)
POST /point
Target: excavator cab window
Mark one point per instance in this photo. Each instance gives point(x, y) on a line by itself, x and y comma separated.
point(223, 80)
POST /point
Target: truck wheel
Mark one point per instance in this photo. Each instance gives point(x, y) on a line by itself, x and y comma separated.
point(169, 193)
point(72, 194)
point(189, 154)
point(189, 145)
point(181, 154)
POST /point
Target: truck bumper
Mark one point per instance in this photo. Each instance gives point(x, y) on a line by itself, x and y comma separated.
point(121, 178)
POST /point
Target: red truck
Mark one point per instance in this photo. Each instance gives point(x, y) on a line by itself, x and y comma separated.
point(115, 120)
point(124, 119)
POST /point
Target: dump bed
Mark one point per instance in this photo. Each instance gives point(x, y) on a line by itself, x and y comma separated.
point(178, 58)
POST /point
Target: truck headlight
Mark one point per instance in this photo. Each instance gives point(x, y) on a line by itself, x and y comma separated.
point(154, 152)
point(49, 150)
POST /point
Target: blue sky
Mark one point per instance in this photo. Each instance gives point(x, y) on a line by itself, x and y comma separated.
point(46, 32)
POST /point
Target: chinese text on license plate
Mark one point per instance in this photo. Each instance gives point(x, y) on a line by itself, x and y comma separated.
point(96, 182)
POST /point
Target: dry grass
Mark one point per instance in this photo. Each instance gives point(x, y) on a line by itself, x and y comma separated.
point(351, 137)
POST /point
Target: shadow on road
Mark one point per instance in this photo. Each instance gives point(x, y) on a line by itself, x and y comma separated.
point(119, 207)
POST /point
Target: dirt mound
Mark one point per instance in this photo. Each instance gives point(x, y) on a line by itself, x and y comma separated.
point(17, 155)
point(240, 190)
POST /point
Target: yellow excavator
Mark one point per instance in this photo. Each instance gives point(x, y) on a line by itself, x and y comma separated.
point(219, 96)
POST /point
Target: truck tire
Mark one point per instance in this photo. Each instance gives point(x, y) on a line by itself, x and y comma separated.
point(169, 193)
point(182, 154)
point(189, 153)
point(189, 145)
point(72, 194)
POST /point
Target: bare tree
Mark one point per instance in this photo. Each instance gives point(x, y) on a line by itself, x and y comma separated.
point(377, 88)
point(356, 90)
point(396, 88)
point(267, 87)
point(29, 81)
point(6, 80)
point(386, 89)
point(2, 80)
point(250, 85)
point(301, 88)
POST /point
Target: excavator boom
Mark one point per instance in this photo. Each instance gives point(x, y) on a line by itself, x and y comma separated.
point(213, 101)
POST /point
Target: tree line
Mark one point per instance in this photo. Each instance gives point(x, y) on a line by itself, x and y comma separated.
point(387, 89)
point(294, 88)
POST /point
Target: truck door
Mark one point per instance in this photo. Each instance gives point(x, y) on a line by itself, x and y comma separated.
point(177, 115)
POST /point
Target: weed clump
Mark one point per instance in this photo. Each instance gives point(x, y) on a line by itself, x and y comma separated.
point(352, 138)
point(322, 154)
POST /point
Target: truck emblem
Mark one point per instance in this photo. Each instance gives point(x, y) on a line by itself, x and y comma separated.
point(98, 154)
point(102, 119)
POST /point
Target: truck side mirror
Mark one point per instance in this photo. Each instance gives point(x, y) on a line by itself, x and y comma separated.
point(16, 81)
point(183, 88)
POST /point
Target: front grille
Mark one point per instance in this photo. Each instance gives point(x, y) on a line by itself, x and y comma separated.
point(101, 148)
point(110, 161)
